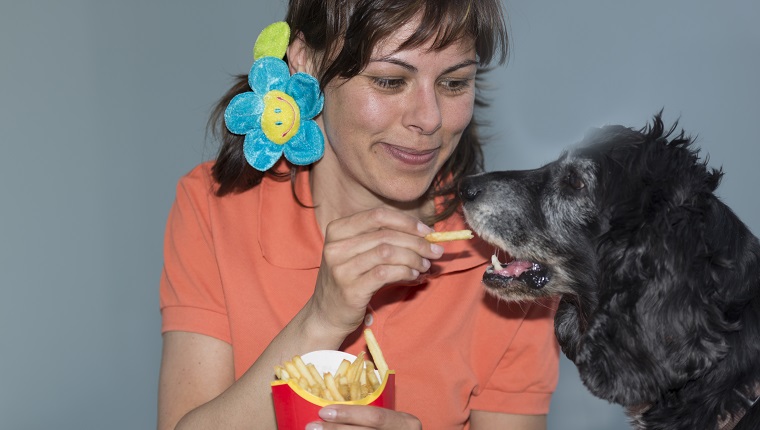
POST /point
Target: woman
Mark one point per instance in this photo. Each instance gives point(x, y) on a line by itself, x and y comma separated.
point(259, 268)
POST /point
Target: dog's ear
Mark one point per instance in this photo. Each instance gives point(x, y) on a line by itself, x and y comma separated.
point(662, 317)
point(568, 326)
point(641, 344)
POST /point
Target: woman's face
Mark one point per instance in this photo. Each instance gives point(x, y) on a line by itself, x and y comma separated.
point(391, 128)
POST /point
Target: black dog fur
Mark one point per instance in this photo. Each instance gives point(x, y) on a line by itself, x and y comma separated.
point(659, 280)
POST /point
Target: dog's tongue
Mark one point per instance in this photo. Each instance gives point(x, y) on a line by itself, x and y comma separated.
point(514, 268)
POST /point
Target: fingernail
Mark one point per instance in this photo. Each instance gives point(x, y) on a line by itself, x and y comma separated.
point(327, 414)
point(437, 249)
point(314, 426)
point(424, 229)
point(425, 263)
point(415, 273)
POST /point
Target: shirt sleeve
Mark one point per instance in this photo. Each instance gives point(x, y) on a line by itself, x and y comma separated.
point(526, 377)
point(190, 289)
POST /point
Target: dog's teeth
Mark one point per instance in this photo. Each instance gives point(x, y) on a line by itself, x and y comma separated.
point(495, 262)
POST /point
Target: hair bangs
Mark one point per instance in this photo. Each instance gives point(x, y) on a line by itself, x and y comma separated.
point(446, 22)
point(441, 26)
point(442, 23)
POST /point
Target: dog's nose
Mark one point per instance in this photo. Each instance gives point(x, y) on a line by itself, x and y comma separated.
point(468, 191)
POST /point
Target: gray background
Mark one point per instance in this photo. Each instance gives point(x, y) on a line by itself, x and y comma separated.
point(103, 107)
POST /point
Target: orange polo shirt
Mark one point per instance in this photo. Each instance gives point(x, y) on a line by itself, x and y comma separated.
point(239, 267)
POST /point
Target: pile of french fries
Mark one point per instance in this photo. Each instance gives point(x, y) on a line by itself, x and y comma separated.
point(351, 381)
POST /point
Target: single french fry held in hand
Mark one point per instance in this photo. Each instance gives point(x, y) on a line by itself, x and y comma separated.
point(351, 381)
point(447, 236)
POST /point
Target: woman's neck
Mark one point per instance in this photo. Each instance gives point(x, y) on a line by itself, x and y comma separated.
point(335, 195)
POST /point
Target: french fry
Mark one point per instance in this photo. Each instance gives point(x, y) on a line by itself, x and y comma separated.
point(315, 374)
point(342, 368)
point(343, 387)
point(371, 376)
point(355, 368)
point(302, 370)
point(304, 384)
point(292, 371)
point(330, 383)
point(446, 236)
point(377, 354)
point(325, 394)
point(355, 390)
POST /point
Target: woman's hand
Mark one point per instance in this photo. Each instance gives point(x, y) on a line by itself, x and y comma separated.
point(363, 417)
point(363, 253)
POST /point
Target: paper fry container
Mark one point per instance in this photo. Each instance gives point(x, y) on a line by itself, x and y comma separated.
point(296, 407)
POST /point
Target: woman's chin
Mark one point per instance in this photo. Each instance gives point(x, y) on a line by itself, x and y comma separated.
point(407, 194)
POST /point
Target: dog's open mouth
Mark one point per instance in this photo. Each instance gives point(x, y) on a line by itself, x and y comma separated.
point(500, 275)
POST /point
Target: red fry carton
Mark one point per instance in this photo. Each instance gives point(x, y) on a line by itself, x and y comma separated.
point(296, 407)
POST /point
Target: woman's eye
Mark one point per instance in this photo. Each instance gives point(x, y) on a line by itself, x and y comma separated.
point(572, 179)
point(388, 83)
point(456, 85)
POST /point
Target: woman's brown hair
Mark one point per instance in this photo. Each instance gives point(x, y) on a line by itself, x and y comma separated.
point(342, 34)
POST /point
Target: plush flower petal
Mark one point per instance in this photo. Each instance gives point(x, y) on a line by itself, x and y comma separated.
point(307, 146)
point(260, 152)
point(268, 73)
point(272, 41)
point(243, 114)
point(304, 89)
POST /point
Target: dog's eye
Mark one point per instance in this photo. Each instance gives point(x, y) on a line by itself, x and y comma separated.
point(572, 179)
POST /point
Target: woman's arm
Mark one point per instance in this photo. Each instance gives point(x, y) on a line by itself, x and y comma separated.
point(482, 420)
point(362, 253)
point(197, 388)
point(194, 369)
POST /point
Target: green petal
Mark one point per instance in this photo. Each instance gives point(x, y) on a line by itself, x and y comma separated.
point(272, 41)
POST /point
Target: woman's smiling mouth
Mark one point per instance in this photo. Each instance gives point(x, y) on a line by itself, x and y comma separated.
point(410, 156)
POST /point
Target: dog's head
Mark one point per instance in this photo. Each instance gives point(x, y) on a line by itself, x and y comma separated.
point(625, 227)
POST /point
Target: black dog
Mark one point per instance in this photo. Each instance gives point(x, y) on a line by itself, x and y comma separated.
point(659, 280)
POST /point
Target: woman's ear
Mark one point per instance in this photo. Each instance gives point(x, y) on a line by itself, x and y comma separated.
point(299, 56)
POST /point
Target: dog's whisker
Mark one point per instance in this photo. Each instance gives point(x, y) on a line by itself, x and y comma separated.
point(544, 304)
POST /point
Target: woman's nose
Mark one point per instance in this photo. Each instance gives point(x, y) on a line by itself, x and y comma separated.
point(423, 111)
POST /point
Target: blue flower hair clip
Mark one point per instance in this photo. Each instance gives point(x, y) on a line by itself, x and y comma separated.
point(276, 117)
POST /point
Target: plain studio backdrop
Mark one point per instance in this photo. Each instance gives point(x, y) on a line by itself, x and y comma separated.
point(103, 106)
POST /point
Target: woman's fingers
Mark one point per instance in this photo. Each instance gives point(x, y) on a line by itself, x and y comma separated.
point(372, 220)
point(386, 263)
point(338, 417)
point(387, 246)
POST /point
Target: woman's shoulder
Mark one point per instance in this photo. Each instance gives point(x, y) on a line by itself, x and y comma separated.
point(201, 173)
point(200, 180)
point(200, 186)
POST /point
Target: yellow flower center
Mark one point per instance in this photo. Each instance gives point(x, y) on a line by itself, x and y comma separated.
point(281, 117)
